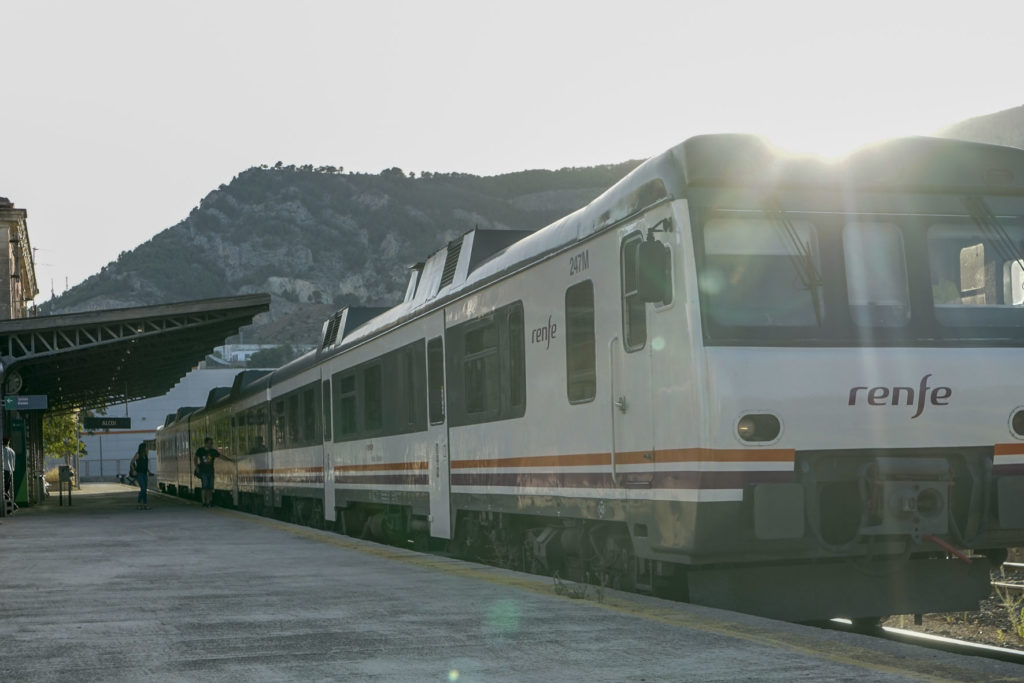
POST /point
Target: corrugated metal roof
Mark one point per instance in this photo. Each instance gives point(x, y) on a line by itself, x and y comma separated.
point(85, 360)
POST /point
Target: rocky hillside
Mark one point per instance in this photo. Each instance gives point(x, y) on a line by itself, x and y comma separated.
point(317, 239)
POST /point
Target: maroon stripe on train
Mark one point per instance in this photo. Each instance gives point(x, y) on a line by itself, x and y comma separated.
point(657, 480)
point(384, 479)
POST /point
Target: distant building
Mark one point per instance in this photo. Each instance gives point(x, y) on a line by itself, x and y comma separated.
point(239, 355)
point(17, 268)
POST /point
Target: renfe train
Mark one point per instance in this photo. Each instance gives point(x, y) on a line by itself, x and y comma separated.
point(759, 382)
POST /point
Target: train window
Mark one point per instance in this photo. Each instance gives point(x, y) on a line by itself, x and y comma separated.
point(580, 351)
point(972, 269)
point(516, 358)
point(344, 406)
point(758, 273)
point(634, 311)
point(278, 408)
point(435, 380)
point(485, 362)
point(326, 397)
point(407, 390)
point(876, 274)
point(373, 409)
point(480, 368)
point(261, 425)
point(309, 417)
point(292, 421)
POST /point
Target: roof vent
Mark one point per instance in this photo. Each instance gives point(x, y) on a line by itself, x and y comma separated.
point(450, 262)
point(331, 330)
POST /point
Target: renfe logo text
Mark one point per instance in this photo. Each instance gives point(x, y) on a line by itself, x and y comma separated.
point(902, 396)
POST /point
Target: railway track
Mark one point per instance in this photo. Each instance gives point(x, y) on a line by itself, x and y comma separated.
point(1010, 567)
point(952, 645)
point(1008, 572)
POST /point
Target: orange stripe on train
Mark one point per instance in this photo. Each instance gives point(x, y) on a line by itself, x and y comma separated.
point(633, 458)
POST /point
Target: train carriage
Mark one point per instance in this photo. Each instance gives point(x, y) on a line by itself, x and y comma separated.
point(765, 383)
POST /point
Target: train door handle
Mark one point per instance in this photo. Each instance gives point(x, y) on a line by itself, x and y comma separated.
point(620, 403)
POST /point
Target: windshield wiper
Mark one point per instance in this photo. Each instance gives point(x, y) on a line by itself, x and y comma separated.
point(800, 254)
point(992, 229)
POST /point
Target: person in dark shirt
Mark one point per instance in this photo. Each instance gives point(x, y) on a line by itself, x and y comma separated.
point(139, 468)
point(204, 469)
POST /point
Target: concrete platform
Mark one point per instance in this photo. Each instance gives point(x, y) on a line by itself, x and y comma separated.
point(100, 591)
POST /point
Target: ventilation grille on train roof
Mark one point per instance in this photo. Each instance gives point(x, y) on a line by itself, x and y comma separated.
point(331, 334)
point(451, 260)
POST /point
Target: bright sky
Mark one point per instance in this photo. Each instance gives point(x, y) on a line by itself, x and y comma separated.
point(118, 116)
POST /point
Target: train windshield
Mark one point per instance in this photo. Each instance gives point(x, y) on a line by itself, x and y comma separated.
point(757, 273)
point(768, 276)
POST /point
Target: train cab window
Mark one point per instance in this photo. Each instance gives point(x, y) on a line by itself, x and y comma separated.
point(876, 274)
point(634, 311)
point(326, 404)
point(580, 351)
point(435, 380)
point(757, 273)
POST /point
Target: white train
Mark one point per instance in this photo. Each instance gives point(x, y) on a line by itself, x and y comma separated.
point(758, 382)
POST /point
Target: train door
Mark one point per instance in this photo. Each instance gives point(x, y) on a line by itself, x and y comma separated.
point(440, 489)
point(330, 509)
point(630, 376)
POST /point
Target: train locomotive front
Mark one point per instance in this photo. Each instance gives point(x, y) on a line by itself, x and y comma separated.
point(861, 324)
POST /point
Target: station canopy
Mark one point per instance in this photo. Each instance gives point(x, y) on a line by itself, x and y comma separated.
point(88, 360)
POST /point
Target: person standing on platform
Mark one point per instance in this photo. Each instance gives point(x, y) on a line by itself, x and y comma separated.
point(140, 468)
point(204, 469)
point(8, 467)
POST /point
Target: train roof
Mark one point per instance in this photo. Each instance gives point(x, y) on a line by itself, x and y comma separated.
point(921, 164)
point(707, 161)
point(246, 378)
point(216, 395)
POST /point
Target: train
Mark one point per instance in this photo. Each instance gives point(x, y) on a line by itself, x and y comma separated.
point(740, 377)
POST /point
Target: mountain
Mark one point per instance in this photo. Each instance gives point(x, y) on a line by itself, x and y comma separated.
point(1001, 128)
point(319, 238)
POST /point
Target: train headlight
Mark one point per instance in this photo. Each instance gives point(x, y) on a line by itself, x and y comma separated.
point(758, 427)
point(1017, 422)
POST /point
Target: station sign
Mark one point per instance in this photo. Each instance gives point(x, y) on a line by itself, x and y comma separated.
point(26, 402)
point(106, 423)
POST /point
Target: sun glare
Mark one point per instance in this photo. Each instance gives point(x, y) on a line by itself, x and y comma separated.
point(830, 143)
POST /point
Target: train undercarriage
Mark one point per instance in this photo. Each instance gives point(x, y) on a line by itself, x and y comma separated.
point(602, 554)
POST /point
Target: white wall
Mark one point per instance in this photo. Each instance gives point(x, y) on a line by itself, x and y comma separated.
point(110, 452)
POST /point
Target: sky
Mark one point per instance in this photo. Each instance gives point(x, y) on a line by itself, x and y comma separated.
point(118, 116)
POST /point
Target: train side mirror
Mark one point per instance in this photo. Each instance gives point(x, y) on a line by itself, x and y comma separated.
point(653, 282)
